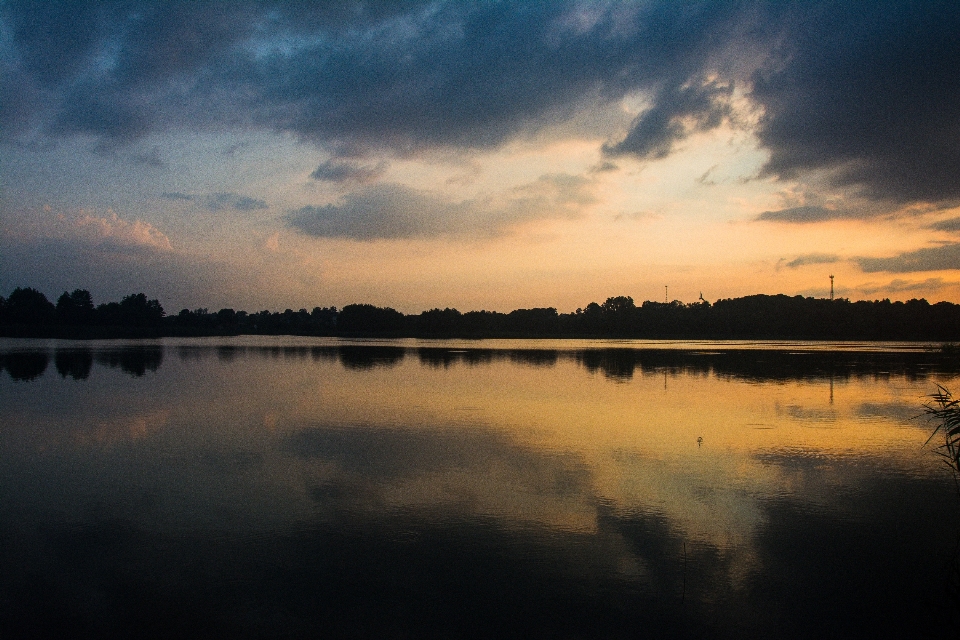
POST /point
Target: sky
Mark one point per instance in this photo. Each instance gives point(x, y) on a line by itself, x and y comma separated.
point(479, 155)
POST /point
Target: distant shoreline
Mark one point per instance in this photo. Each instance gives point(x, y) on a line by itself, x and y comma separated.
point(28, 314)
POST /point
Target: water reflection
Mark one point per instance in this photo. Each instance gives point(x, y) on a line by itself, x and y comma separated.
point(445, 358)
point(24, 366)
point(616, 364)
point(359, 358)
point(75, 363)
point(465, 474)
point(133, 360)
point(345, 491)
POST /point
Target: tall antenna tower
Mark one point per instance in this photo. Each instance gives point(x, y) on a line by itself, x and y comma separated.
point(831, 287)
point(666, 295)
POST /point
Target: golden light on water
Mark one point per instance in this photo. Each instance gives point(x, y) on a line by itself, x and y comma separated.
point(546, 441)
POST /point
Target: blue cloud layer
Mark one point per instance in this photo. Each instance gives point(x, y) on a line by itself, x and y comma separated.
point(868, 93)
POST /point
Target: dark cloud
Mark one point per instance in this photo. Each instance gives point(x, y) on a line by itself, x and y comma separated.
point(802, 214)
point(382, 211)
point(218, 201)
point(474, 74)
point(678, 112)
point(402, 76)
point(942, 258)
point(385, 211)
point(953, 224)
point(705, 178)
point(904, 286)
point(221, 201)
point(605, 167)
point(176, 195)
point(343, 171)
point(151, 158)
point(236, 149)
point(813, 258)
point(870, 93)
point(866, 94)
point(246, 203)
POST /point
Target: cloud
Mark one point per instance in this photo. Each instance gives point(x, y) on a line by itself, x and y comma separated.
point(218, 201)
point(638, 215)
point(221, 201)
point(390, 211)
point(518, 484)
point(150, 158)
point(382, 211)
point(246, 203)
point(176, 195)
point(342, 171)
point(867, 95)
point(813, 258)
point(112, 231)
point(953, 224)
point(705, 178)
point(677, 113)
point(801, 214)
point(605, 167)
point(88, 230)
point(404, 76)
point(942, 258)
point(903, 286)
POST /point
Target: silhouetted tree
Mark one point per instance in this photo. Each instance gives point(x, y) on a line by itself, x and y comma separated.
point(136, 311)
point(368, 319)
point(108, 314)
point(323, 320)
point(226, 317)
point(478, 324)
point(533, 322)
point(27, 312)
point(439, 322)
point(619, 305)
point(585, 321)
point(28, 306)
point(75, 308)
point(619, 315)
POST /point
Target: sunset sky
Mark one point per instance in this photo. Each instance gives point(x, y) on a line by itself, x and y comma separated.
point(479, 155)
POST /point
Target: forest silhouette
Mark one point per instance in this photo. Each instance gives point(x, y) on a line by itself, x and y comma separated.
point(27, 312)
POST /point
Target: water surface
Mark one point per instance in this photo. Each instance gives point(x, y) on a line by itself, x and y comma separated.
point(322, 488)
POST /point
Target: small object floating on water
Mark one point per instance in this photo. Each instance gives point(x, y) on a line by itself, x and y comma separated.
point(699, 440)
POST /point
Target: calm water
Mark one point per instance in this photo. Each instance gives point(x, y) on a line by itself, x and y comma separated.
point(314, 488)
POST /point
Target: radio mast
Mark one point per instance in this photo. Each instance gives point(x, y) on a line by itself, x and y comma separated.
point(831, 287)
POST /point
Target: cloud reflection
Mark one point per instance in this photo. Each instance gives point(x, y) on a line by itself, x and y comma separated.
point(473, 473)
point(288, 490)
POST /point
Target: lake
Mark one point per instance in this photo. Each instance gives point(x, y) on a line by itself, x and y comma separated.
point(301, 487)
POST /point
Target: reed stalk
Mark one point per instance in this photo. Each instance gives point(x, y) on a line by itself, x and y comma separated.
point(945, 411)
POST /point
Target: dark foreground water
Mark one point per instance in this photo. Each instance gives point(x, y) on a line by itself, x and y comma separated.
point(298, 488)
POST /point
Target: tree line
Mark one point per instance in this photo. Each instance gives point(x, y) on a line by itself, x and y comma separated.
point(27, 312)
